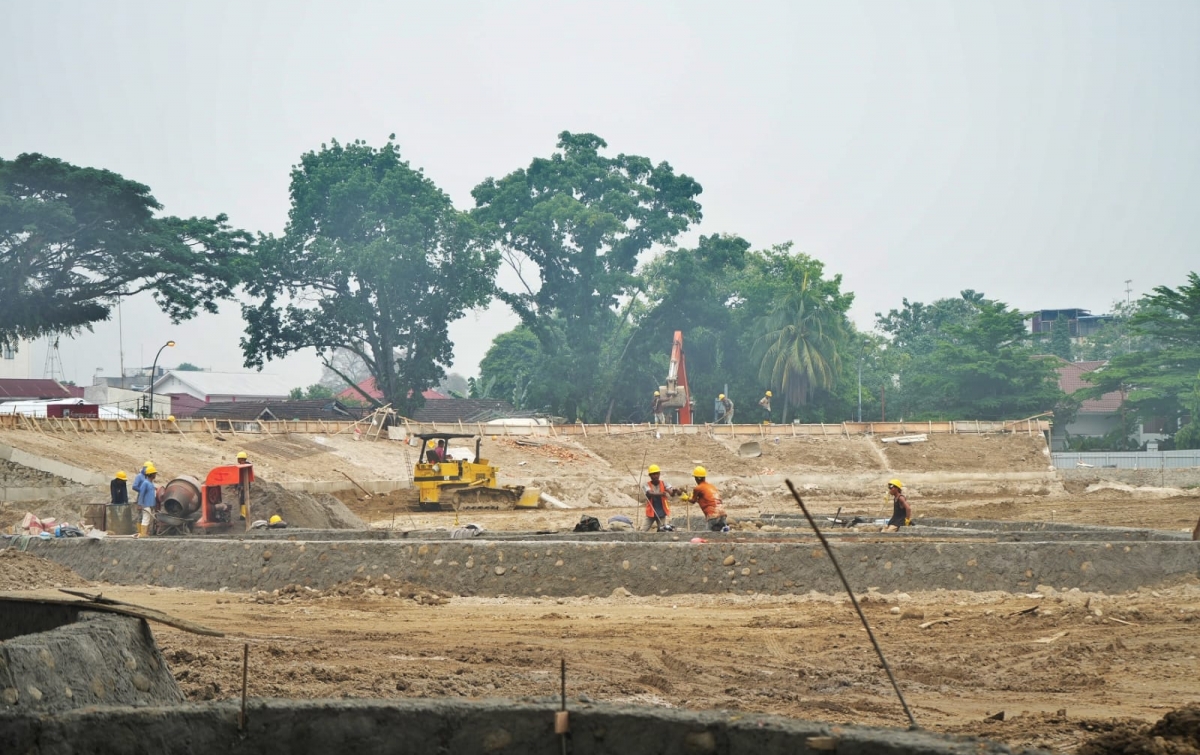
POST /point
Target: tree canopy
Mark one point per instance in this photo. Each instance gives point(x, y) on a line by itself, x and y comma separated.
point(580, 219)
point(375, 261)
point(967, 358)
point(73, 240)
point(1159, 381)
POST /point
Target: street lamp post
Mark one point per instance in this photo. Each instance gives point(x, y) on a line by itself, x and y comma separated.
point(154, 373)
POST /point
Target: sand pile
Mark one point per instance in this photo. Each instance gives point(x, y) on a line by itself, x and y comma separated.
point(361, 587)
point(25, 571)
point(299, 509)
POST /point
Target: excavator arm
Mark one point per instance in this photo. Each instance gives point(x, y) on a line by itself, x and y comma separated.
point(675, 393)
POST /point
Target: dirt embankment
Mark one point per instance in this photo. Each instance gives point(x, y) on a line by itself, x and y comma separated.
point(970, 453)
point(25, 571)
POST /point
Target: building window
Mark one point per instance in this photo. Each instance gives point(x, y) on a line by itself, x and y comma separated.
point(9, 353)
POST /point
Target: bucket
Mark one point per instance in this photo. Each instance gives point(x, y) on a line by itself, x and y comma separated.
point(120, 518)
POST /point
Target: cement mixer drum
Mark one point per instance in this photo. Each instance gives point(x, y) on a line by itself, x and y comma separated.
point(181, 497)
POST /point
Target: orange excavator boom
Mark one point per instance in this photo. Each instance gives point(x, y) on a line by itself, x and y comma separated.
point(675, 393)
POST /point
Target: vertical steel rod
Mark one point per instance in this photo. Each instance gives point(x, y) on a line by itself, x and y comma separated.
point(845, 583)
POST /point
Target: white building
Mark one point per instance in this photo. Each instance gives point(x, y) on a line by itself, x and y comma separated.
point(17, 363)
point(217, 387)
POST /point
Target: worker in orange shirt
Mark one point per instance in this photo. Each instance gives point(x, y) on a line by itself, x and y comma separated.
point(706, 496)
point(658, 513)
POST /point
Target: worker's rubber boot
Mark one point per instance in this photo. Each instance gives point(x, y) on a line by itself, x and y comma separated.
point(141, 530)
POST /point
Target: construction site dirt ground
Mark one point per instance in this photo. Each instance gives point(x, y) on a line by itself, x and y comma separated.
point(1062, 667)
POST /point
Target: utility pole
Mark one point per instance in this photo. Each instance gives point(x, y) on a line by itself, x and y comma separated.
point(883, 403)
point(1128, 289)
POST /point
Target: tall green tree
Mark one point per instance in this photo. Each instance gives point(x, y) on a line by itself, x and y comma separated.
point(75, 240)
point(798, 351)
point(580, 219)
point(1158, 381)
point(983, 368)
point(375, 261)
point(1060, 339)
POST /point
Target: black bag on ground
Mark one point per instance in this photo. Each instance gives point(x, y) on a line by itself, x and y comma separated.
point(588, 524)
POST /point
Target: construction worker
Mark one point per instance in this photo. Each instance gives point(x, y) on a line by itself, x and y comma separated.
point(243, 457)
point(147, 498)
point(441, 450)
point(724, 410)
point(276, 523)
point(660, 417)
point(658, 513)
point(901, 511)
point(765, 403)
point(118, 489)
point(706, 496)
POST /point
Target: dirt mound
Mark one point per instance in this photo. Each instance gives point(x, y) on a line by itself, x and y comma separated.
point(25, 571)
point(19, 476)
point(676, 454)
point(299, 509)
point(970, 453)
point(1178, 733)
point(806, 453)
point(384, 587)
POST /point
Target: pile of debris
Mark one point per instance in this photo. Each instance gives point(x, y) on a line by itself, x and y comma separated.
point(541, 448)
point(360, 587)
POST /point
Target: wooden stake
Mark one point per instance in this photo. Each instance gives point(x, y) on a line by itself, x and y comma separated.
point(245, 674)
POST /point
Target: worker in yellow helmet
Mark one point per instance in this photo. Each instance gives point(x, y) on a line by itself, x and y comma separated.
point(724, 410)
point(118, 489)
point(658, 513)
point(276, 522)
point(147, 499)
point(765, 403)
point(901, 510)
point(656, 408)
point(243, 457)
point(706, 496)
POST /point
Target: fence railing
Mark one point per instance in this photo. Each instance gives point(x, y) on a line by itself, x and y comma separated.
point(1126, 459)
point(372, 428)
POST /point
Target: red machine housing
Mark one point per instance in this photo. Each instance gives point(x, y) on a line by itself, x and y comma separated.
point(204, 506)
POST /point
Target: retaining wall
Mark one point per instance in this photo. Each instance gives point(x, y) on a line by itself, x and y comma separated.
point(565, 568)
point(278, 727)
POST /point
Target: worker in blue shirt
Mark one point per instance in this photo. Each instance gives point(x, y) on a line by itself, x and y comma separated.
point(147, 499)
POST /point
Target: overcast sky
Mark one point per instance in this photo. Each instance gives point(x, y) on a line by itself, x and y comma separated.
point(1041, 152)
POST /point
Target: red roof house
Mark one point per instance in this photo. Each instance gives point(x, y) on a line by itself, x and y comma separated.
point(19, 389)
point(368, 386)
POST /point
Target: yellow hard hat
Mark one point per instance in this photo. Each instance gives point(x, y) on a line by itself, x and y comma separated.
point(699, 472)
point(653, 469)
point(768, 394)
point(243, 455)
point(121, 475)
point(150, 469)
point(721, 396)
point(170, 418)
point(895, 483)
point(276, 519)
point(431, 444)
point(147, 463)
point(656, 393)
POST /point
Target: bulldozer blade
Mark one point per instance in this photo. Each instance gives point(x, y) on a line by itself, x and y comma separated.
point(531, 498)
point(750, 450)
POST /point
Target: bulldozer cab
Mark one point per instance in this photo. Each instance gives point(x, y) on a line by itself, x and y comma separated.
point(451, 470)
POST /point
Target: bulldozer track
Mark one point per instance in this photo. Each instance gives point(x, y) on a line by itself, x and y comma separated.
point(486, 499)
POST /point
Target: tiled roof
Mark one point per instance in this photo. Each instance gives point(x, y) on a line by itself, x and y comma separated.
point(19, 388)
point(305, 409)
point(368, 387)
point(448, 410)
point(1070, 379)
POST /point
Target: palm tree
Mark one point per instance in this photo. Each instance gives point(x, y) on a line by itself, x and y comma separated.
point(798, 347)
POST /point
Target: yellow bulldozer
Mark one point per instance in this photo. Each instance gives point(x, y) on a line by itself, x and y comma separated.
point(459, 477)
